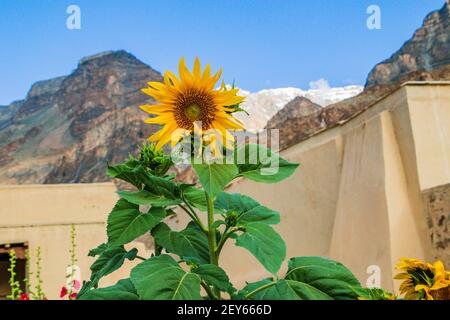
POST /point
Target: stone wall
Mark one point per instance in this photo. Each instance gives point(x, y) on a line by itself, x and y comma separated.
point(437, 207)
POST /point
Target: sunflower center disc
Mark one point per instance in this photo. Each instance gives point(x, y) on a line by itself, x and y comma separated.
point(193, 112)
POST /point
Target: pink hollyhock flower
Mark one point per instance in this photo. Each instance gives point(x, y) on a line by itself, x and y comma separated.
point(76, 284)
point(73, 296)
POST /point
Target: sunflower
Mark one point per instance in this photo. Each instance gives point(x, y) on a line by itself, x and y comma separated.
point(423, 280)
point(440, 289)
point(189, 100)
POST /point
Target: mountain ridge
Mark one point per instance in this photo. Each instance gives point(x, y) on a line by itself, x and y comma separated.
point(65, 130)
point(426, 50)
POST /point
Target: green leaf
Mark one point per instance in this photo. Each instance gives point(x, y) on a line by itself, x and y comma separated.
point(147, 198)
point(125, 171)
point(292, 290)
point(190, 243)
point(218, 223)
point(260, 164)
point(373, 294)
point(265, 244)
point(134, 173)
point(195, 197)
point(126, 222)
point(97, 251)
point(109, 261)
point(122, 290)
point(158, 185)
point(250, 287)
point(161, 278)
point(214, 276)
point(185, 186)
point(247, 209)
point(328, 276)
point(214, 177)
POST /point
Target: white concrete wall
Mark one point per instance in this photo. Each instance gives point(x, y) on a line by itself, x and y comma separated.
point(357, 196)
point(42, 215)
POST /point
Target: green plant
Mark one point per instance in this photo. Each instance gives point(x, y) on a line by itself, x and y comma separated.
point(73, 284)
point(194, 260)
point(13, 282)
point(73, 246)
point(196, 115)
point(28, 273)
point(73, 257)
point(38, 293)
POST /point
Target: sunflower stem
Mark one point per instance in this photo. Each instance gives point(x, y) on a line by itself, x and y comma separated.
point(212, 236)
point(199, 222)
point(208, 290)
point(195, 218)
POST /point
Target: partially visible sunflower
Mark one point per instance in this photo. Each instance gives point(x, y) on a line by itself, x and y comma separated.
point(440, 289)
point(423, 280)
point(192, 98)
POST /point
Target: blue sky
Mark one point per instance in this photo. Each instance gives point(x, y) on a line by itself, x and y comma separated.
point(260, 43)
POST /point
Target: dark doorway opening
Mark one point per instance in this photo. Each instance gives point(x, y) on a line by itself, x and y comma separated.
point(21, 264)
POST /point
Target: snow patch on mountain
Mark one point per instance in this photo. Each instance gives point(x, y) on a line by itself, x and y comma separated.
point(264, 104)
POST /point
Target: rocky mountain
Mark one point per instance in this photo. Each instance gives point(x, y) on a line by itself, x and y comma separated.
point(263, 105)
point(426, 56)
point(67, 128)
point(298, 108)
point(427, 50)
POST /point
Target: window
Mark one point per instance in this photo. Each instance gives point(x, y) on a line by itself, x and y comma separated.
point(21, 271)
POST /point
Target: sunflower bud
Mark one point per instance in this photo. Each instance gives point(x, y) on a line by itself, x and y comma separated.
point(154, 160)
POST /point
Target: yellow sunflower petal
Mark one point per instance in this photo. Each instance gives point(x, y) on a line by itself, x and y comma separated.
point(163, 140)
point(159, 133)
point(196, 73)
point(157, 85)
point(160, 96)
point(178, 135)
point(402, 276)
point(172, 77)
point(161, 119)
point(206, 74)
point(185, 74)
point(217, 76)
point(439, 267)
point(228, 123)
point(156, 108)
point(225, 99)
point(168, 129)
